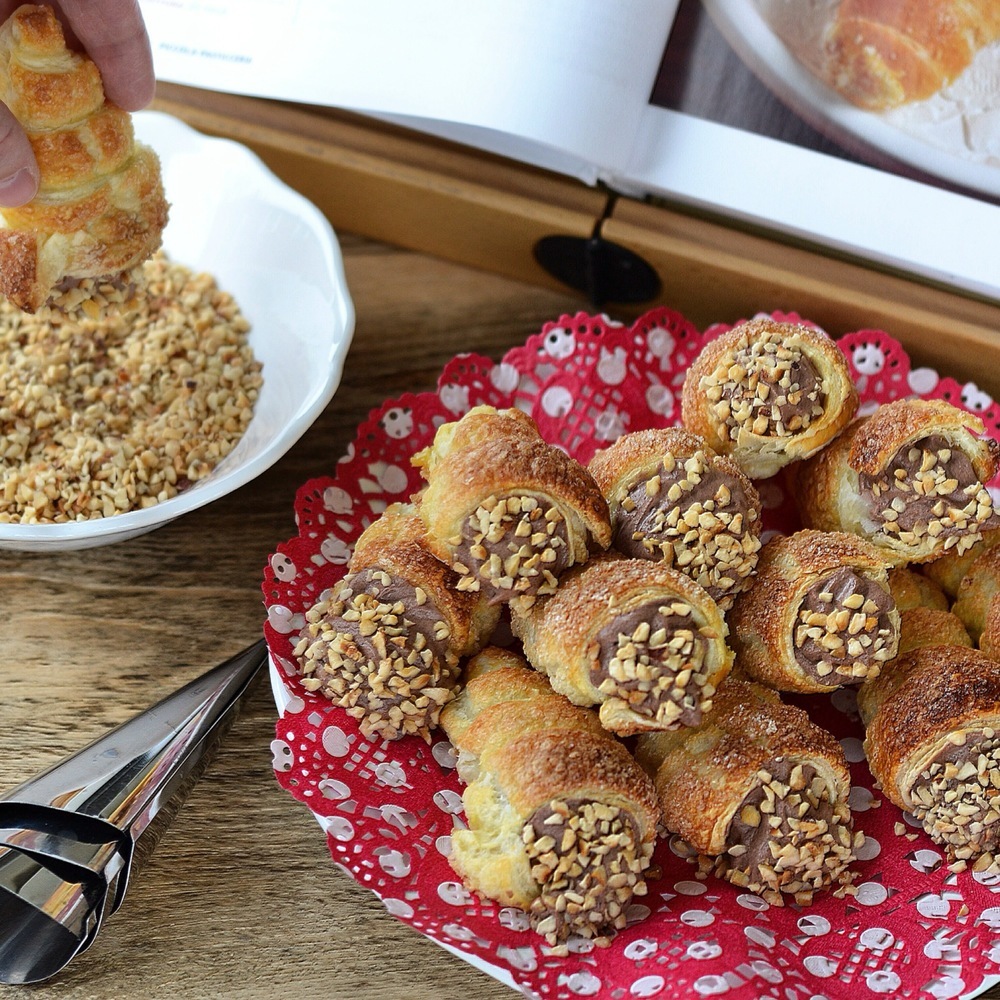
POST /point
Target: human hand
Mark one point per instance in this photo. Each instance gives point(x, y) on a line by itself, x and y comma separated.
point(113, 34)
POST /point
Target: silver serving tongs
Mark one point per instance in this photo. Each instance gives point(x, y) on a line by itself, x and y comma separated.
point(70, 836)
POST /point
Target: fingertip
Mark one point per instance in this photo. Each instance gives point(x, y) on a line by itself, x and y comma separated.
point(18, 170)
point(18, 189)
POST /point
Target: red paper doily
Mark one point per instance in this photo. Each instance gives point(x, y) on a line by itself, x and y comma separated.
point(913, 930)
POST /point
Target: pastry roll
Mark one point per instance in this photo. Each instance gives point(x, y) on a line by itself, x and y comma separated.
point(100, 208)
point(385, 642)
point(673, 499)
point(506, 510)
point(639, 639)
point(768, 393)
point(911, 590)
point(819, 615)
point(561, 819)
point(989, 638)
point(930, 627)
point(977, 591)
point(759, 792)
point(932, 738)
point(880, 55)
point(948, 570)
point(910, 478)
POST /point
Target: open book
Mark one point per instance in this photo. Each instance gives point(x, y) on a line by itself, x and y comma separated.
point(590, 88)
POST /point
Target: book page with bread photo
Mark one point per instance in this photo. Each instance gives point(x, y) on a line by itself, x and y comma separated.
point(865, 128)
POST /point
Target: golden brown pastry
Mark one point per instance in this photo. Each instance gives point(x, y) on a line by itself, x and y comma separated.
point(932, 723)
point(758, 791)
point(819, 615)
point(673, 499)
point(989, 638)
point(911, 589)
point(561, 819)
point(640, 639)
point(977, 590)
point(910, 478)
point(948, 570)
point(883, 53)
point(930, 627)
point(508, 511)
point(768, 393)
point(385, 642)
point(100, 208)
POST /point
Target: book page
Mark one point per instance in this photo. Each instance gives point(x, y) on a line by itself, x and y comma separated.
point(569, 75)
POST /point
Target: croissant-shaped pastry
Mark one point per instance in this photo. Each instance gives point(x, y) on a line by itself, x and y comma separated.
point(759, 791)
point(910, 478)
point(911, 589)
point(508, 511)
point(882, 54)
point(978, 590)
point(950, 569)
point(819, 615)
point(768, 393)
point(561, 819)
point(385, 642)
point(989, 638)
point(930, 627)
point(673, 499)
point(640, 639)
point(100, 208)
point(932, 722)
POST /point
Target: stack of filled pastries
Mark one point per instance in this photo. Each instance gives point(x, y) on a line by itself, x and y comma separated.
point(656, 632)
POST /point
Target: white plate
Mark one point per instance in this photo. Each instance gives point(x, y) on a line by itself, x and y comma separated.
point(278, 255)
point(954, 135)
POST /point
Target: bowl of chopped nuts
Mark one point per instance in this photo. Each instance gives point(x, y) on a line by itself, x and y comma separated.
point(116, 421)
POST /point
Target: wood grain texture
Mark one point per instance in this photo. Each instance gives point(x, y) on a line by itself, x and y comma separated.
point(240, 898)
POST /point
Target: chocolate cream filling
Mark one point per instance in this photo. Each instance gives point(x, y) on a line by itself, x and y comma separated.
point(768, 389)
point(928, 488)
point(957, 798)
point(588, 860)
point(380, 648)
point(843, 633)
point(788, 834)
point(512, 546)
point(653, 658)
point(694, 517)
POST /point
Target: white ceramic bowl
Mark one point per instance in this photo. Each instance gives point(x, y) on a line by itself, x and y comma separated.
point(278, 255)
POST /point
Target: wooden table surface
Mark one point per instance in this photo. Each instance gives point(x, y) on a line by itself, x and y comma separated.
point(240, 898)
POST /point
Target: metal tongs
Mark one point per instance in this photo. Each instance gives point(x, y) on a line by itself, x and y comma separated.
point(69, 836)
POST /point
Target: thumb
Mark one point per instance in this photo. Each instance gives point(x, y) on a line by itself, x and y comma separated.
point(18, 170)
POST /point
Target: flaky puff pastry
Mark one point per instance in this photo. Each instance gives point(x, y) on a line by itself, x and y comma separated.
point(385, 642)
point(949, 570)
point(978, 590)
point(911, 589)
point(100, 208)
point(910, 478)
point(930, 627)
point(508, 511)
point(561, 819)
point(759, 792)
point(819, 615)
point(769, 394)
point(932, 721)
point(674, 500)
point(641, 640)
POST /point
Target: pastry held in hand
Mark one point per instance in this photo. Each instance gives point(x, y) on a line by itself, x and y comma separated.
point(385, 642)
point(768, 393)
point(910, 478)
point(508, 511)
point(932, 723)
point(673, 499)
point(880, 55)
point(819, 615)
point(759, 792)
point(639, 639)
point(561, 819)
point(100, 208)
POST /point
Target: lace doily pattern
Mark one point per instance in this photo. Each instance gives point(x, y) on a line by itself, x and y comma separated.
point(914, 929)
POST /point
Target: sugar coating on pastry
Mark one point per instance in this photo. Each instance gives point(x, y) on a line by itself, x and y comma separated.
point(768, 393)
point(672, 498)
point(100, 209)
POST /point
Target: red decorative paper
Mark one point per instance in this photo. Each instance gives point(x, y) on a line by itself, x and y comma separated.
point(913, 930)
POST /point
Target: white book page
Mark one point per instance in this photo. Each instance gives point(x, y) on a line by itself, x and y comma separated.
point(570, 75)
